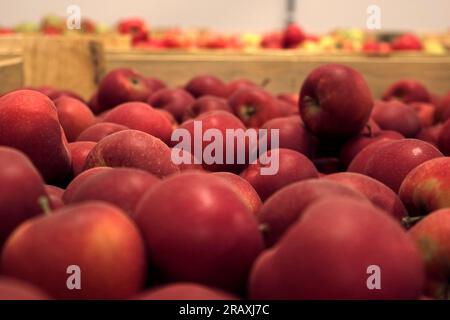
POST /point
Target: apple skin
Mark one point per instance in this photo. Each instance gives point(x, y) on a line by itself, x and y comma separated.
point(243, 188)
point(292, 167)
point(391, 161)
point(74, 116)
point(293, 36)
point(79, 151)
point(75, 184)
point(29, 123)
point(154, 84)
point(220, 120)
point(112, 268)
point(427, 187)
point(335, 102)
point(443, 108)
point(141, 116)
point(407, 91)
point(222, 231)
point(120, 86)
point(286, 206)
point(122, 187)
point(397, 116)
point(407, 42)
point(426, 113)
point(431, 135)
point(353, 146)
point(205, 104)
point(334, 243)
point(292, 135)
point(133, 149)
point(254, 106)
point(188, 166)
point(98, 131)
point(444, 138)
point(184, 291)
point(54, 196)
point(21, 188)
point(431, 235)
point(14, 289)
point(203, 85)
point(238, 84)
point(379, 194)
point(176, 101)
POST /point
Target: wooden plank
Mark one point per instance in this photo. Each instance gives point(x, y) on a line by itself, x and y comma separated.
point(285, 70)
point(11, 76)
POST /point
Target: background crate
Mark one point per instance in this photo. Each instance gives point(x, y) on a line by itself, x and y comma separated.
point(11, 76)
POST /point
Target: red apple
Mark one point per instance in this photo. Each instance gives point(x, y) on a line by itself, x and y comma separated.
point(254, 106)
point(431, 135)
point(293, 36)
point(431, 235)
point(94, 236)
point(14, 289)
point(55, 195)
point(135, 27)
point(353, 146)
point(391, 161)
point(238, 84)
point(155, 84)
point(444, 138)
point(396, 116)
point(243, 188)
point(75, 184)
point(206, 85)
point(222, 231)
point(286, 206)
point(120, 86)
point(21, 189)
point(141, 116)
point(205, 104)
point(176, 101)
point(335, 101)
point(427, 187)
point(29, 122)
point(219, 120)
point(272, 40)
point(98, 131)
point(292, 134)
point(407, 91)
point(288, 166)
point(133, 149)
point(123, 187)
point(426, 113)
point(74, 116)
point(79, 152)
point(407, 42)
point(192, 165)
point(184, 291)
point(335, 250)
point(379, 194)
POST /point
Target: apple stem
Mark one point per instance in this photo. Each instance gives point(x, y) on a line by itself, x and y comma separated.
point(369, 129)
point(265, 82)
point(409, 222)
point(45, 205)
point(247, 112)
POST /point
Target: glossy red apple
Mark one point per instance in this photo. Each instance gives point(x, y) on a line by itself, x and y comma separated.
point(100, 130)
point(341, 243)
point(222, 231)
point(427, 187)
point(21, 190)
point(104, 243)
point(141, 116)
point(29, 122)
point(286, 206)
point(133, 149)
point(122, 187)
point(391, 161)
point(335, 102)
point(396, 116)
point(288, 166)
point(75, 184)
point(176, 101)
point(79, 152)
point(120, 86)
point(203, 85)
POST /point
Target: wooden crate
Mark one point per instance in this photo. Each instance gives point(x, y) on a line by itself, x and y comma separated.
point(65, 62)
point(11, 76)
point(285, 70)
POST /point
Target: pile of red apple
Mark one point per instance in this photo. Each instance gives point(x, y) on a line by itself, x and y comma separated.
point(362, 185)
